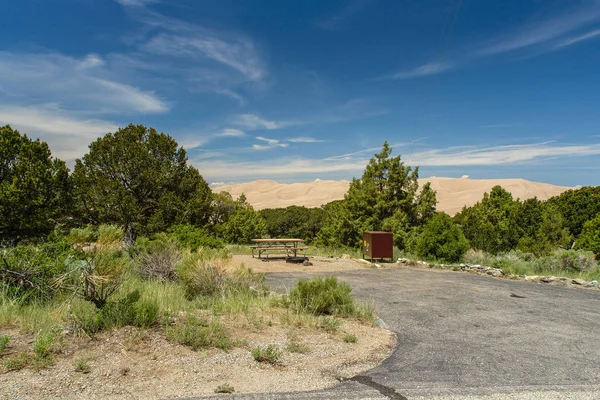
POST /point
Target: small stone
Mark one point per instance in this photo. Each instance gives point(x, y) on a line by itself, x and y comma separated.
point(592, 284)
point(578, 281)
point(307, 263)
point(377, 265)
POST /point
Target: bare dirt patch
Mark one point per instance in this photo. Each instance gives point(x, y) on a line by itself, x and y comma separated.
point(319, 264)
point(134, 363)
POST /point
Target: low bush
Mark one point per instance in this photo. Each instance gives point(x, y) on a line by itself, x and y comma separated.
point(270, 354)
point(194, 238)
point(129, 310)
point(16, 363)
point(573, 261)
point(350, 338)
point(85, 317)
point(199, 334)
point(478, 257)
point(441, 239)
point(322, 296)
point(296, 347)
point(27, 271)
point(202, 277)
point(330, 324)
point(159, 259)
point(4, 340)
point(82, 366)
point(110, 235)
point(46, 345)
point(80, 236)
point(224, 388)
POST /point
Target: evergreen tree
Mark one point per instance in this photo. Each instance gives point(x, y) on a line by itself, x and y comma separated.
point(34, 189)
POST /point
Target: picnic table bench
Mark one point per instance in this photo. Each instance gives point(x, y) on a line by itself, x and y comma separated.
point(290, 246)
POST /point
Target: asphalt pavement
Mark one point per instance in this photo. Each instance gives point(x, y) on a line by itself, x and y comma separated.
point(464, 336)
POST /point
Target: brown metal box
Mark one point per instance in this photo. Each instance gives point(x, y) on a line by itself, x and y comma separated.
point(378, 245)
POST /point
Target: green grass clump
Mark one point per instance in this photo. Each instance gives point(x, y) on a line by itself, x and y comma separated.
point(110, 235)
point(350, 338)
point(16, 363)
point(46, 345)
point(82, 366)
point(199, 334)
point(224, 388)
point(322, 296)
point(4, 340)
point(296, 347)
point(270, 354)
point(330, 324)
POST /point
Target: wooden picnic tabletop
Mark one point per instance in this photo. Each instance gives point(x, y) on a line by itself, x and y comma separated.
point(286, 240)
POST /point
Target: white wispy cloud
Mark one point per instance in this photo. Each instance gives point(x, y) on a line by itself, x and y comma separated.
point(136, 3)
point(194, 140)
point(84, 84)
point(252, 122)
point(231, 132)
point(422, 71)
point(305, 139)
point(355, 162)
point(271, 144)
point(581, 38)
point(67, 135)
point(350, 9)
point(541, 32)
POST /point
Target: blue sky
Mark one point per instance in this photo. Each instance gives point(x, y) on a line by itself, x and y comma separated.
point(299, 90)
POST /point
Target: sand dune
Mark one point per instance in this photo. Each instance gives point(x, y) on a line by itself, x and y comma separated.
point(452, 193)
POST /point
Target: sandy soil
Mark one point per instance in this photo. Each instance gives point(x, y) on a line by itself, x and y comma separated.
point(452, 193)
point(133, 363)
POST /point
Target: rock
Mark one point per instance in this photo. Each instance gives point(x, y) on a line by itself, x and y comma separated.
point(548, 279)
point(346, 256)
point(578, 281)
point(497, 273)
point(377, 265)
point(532, 278)
point(592, 284)
point(307, 263)
point(403, 260)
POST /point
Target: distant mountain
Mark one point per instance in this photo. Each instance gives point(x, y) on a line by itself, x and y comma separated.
point(452, 193)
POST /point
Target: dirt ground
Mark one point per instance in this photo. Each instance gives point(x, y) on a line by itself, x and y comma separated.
point(319, 264)
point(132, 363)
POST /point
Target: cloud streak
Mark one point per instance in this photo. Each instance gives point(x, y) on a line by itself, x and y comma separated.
point(422, 71)
point(254, 122)
point(353, 163)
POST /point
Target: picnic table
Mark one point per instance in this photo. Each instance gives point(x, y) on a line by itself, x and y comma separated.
point(291, 247)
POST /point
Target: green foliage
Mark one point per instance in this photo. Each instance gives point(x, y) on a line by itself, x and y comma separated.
point(81, 236)
point(243, 225)
point(590, 236)
point(82, 366)
point(386, 196)
point(85, 317)
point(577, 207)
point(110, 235)
point(294, 222)
point(270, 354)
point(4, 340)
point(550, 232)
point(350, 338)
point(490, 225)
point(96, 274)
point(202, 277)
point(27, 271)
point(47, 343)
point(159, 258)
point(322, 296)
point(139, 179)
point(34, 187)
point(296, 347)
point(573, 261)
point(129, 310)
point(224, 388)
point(441, 240)
point(330, 323)
point(199, 334)
point(16, 363)
point(193, 238)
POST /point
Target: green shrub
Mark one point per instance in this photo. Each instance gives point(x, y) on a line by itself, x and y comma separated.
point(95, 275)
point(81, 236)
point(350, 338)
point(322, 296)
point(441, 239)
point(47, 343)
point(573, 261)
point(330, 324)
point(201, 277)
point(224, 388)
point(296, 347)
point(160, 259)
point(16, 363)
point(129, 310)
point(85, 317)
point(516, 267)
point(82, 366)
point(110, 235)
point(478, 257)
point(193, 238)
point(270, 354)
point(199, 334)
point(4, 340)
point(27, 271)
point(590, 236)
